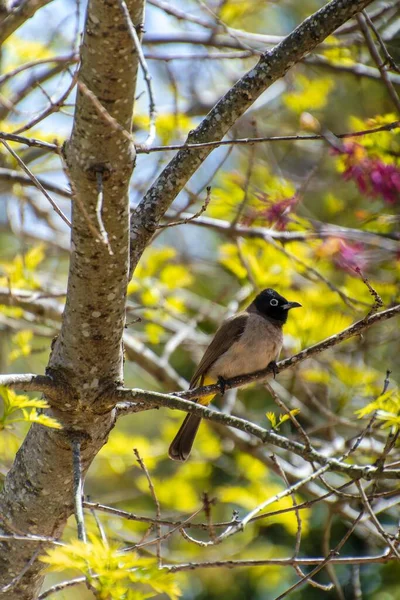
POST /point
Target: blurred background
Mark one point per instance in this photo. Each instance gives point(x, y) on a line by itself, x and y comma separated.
point(298, 215)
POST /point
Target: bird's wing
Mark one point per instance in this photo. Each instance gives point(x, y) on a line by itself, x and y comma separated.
point(228, 333)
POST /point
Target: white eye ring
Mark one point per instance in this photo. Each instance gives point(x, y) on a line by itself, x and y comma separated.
point(274, 302)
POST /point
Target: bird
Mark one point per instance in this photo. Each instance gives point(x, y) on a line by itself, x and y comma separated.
point(244, 343)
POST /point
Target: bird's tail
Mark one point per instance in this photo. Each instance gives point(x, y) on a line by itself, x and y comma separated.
point(183, 441)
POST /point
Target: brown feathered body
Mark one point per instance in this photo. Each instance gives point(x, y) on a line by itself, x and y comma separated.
point(246, 342)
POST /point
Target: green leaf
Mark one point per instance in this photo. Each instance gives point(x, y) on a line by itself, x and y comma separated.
point(111, 571)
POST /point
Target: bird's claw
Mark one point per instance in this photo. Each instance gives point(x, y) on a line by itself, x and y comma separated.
point(221, 384)
point(274, 368)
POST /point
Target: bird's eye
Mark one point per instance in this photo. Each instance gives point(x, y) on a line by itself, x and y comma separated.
point(274, 302)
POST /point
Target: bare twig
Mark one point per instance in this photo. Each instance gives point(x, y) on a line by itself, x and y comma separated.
point(356, 582)
point(328, 559)
point(320, 561)
point(98, 523)
point(172, 147)
point(326, 546)
point(54, 107)
point(16, 177)
point(75, 197)
point(281, 138)
point(207, 511)
point(102, 111)
point(378, 61)
point(388, 58)
point(297, 568)
point(192, 217)
point(78, 488)
point(156, 502)
point(376, 522)
point(99, 210)
point(17, 578)
point(378, 302)
point(31, 142)
point(146, 75)
point(37, 183)
point(61, 586)
point(297, 425)
point(34, 63)
point(287, 492)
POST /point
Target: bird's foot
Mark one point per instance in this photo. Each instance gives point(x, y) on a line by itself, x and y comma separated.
point(221, 384)
point(274, 368)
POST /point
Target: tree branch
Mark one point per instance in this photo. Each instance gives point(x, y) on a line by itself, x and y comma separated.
point(272, 66)
point(180, 402)
point(88, 351)
point(28, 382)
point(21, 13)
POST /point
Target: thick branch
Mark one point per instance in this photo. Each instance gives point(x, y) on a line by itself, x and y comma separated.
point(28, 382)
point(309, 454)
point(356, 329)
point(266, 436)
point(38, 491)
point(21, 13)
point(272, 66)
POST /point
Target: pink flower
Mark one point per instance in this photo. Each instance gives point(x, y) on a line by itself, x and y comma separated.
point(275, 214)
point(372, 176)
point(385, 180)
point(350, 256)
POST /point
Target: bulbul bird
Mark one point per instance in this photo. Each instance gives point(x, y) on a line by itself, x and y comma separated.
point(246, 342)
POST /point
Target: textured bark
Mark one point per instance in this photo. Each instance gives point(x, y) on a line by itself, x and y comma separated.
point(272, 65)
point(87, 360)
point(87, 356)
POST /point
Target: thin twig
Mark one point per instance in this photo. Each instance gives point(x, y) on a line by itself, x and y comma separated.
point(356, 581)
point(281, 138)
point(320, 561)
point(326, 546)
point(331, 555)
point(388, 58)
point(36, 182)
point(376, 522)
point(146, 75)
point(297, 425)
point(192, 217)
point(99, 210)
point(17, 578)
point(378, 302)
point(103, 112)
point(378, 61)
point(78, 489)
point(207, 503)
point(156, 502)
point(297, 568)
point(54, 107)
point(161, 538)
point(98, 523)
point(77, 199)
point(287, 492)
point(172, 147)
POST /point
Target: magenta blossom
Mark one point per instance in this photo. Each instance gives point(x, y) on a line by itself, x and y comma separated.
point(276, 214)
point(385, 181)
point(372, 176)
point(350, 256)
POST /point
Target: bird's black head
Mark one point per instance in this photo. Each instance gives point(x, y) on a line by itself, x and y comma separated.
point(274, 306)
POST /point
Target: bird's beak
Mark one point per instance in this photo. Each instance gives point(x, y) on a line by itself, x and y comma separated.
point(290, 305)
